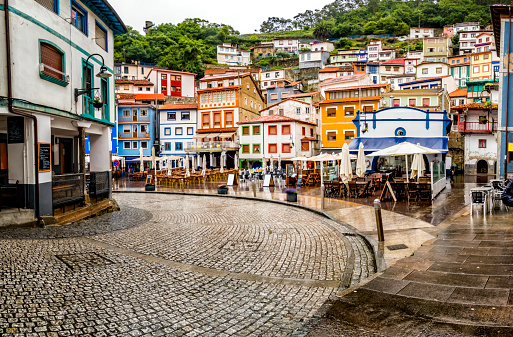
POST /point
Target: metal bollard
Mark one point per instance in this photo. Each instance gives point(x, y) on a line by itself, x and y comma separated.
point(379, 220)
point(253, 186)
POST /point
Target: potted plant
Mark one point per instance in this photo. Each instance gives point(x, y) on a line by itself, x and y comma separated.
point(97, 103)
point(222, 189)
point(291, 194)
point(483, 119)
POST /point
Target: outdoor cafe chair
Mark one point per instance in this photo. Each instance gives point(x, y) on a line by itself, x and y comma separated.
point(425, 191)
point(478, 198)
point(413, 191)
point(352, 189)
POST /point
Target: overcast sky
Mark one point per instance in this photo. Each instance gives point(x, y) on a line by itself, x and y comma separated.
point(244, 16)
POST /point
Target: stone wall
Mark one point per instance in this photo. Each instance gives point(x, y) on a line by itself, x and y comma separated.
point(457, 150)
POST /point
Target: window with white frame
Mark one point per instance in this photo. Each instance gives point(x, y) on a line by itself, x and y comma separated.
point(144, 145)
point(167, 131)
point(135, 145)
point(126, 145)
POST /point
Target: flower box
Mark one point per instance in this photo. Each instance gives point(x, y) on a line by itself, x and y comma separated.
point(222, 189)
point(396, 104)
point(291, 195)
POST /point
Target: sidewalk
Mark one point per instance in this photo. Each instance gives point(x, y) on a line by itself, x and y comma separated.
point(458, 284)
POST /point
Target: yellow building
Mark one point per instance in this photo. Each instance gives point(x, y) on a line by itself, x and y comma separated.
point(481, 65)
point(341, 107)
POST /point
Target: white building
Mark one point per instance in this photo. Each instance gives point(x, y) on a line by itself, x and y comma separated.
point(415, 54)
point(313, 59)
point(271, 77)
point(377, 53)
point(332, 72)
point(484, 42)
point(466, 27)
point(396, 80)
point(54, 63)
point(286, 46)
point(177, 127)
point(419, 33)
point(322, 46)
point(293, 108)
point(134, 87)
point(132, 71)
point(275, 136)
point(432, 69)
point(172, 82)
point(468, 39)
point(228, 54)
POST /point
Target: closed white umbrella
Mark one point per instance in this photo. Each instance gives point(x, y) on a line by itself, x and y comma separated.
point(204, 164)
point(279, 162)
point(194, 164)
point(361, 167)
point(236, 161)
point(141, 165)
point(417, 166)
point(346, 172)
point(223, 156)
point(187, 173)
point(271, 164)
point(168, 165)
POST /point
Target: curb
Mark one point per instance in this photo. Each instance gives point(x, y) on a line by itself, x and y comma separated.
point(371, 243)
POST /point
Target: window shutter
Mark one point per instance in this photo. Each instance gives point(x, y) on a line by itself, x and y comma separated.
point(51, 57)
point(48, 4)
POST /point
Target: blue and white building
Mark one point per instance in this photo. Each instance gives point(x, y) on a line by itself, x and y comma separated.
point(136, 129)
point(177, 127)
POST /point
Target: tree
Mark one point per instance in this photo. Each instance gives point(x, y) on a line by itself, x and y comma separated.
point(323, 30)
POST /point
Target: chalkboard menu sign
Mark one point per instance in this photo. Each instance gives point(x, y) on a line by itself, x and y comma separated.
point(45, 157)
point(15, 130)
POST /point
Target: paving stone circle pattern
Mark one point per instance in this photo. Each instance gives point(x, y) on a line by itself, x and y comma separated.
point(175, 265)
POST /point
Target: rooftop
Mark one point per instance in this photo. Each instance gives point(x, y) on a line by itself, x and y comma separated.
point(459, 93)
point(151, 97)
point(339, 79)
point(179, 106)
point(273, 118)
point(356, 87)
point(134, 82)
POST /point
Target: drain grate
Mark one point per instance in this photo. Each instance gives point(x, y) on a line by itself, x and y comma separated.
point(397, 247)
point(84, 260)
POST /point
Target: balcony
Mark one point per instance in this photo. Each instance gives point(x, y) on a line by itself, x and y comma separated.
point(477, 127)
point(210, 146)
point(126, 135)
point(134, 118)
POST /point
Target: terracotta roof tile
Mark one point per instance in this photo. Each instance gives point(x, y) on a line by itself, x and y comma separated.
point(179, 106)
point(342, 79)
point(273, 118)
point(459, 93)
point(125, 96)
point(159, 97)
point(335, 69)
point(288, 98)
point(394, 61)
point(358, 87)
point(217, 130)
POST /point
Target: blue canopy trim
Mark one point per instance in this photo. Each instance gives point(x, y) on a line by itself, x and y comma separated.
point(374, 144)
point(107, 14)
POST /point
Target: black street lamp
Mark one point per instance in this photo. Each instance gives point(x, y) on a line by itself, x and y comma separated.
point(102, 74)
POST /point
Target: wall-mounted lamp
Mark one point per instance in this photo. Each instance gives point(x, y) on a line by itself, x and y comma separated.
point(102, 74)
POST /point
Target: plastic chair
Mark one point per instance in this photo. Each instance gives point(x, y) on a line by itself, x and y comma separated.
point(478, 198)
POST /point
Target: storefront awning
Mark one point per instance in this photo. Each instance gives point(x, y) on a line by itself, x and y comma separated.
point(374, 144)
point(200, 136)
point(226, 134)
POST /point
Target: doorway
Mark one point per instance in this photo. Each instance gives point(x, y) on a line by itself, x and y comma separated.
point(66, 155)
point(482, 167)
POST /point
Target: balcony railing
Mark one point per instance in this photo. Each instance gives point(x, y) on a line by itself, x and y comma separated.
point(135, 118)
point(477, 127)
point(209, 146)
point(126, 135)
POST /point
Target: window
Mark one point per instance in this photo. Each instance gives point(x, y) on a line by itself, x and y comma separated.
point(424, 70)
point(486, 68)
point(331, 112)
point(349, 135)
point(178, 131)
point(285, 148)
point(52, 5)
point(482, 143)
point(186, 115)
point(426, 101)
point(206, 120)
point(79, 17)
point(228, 119)
point(256, 129)
point(303, 131)
point(53, 59)
point(438, 70)
point(267, 75)
point(273, 148)
point(167, 131)
point(144, 145)
point(126, 145)
point(139, 88)
point(305, 146)
point(307, 110)
point(245, 148)
point(441, 49)
point(277, 74)
point(396, 68)
point(476, 69)
point(190, 131)
point(256, 148)
point(101, 36)
point(164, 88)
point(245, 130)
point(387, 68)
point(476, 57)
point(332, 136)
point(245, 100)
point(412, 101)
point(167, 146)
point(285, 129)
point(280, 112)
point(396, 102)
point(298, 111)
point(486, 56)
point(349, 110)
point(271, 112)
point(178, 146)
point(368, 108)
point(273, 130)
point(171, 116)
point(126, 87)
point(135, 145)
point(217, 120)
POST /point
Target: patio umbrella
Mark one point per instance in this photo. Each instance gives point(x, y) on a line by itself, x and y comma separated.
point(236, 161)
point(194, 164)
point(403, 149)
point(271, 164)
point(223, 155)
point(153, 158)
point(141, 165)
point(187, 173)
point(211, 159)
point(168, 165)
point(361, 167)
point(417, 166)
point(346, 172)
point(204, 164)
point(279, 162)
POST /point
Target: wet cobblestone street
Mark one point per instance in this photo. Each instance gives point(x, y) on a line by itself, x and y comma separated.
point(170, 265)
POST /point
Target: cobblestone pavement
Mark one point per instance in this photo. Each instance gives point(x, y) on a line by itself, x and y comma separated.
point(169, 265)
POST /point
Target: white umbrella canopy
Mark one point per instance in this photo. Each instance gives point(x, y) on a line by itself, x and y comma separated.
point(361, 167)
point(271, 164)
point(223, 155)
point(300, 158)
point(417, 166)
point(346, 172)
point(403, 149)
point(187, 173)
